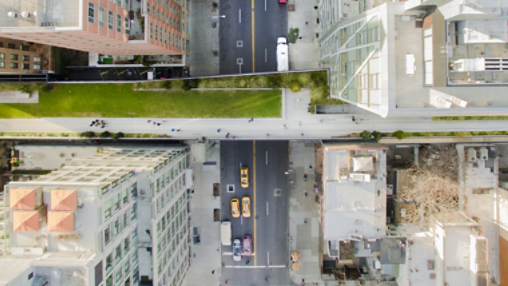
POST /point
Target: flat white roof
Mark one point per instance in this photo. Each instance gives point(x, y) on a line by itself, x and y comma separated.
point(353, 207)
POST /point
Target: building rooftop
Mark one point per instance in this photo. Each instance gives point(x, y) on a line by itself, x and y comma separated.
point(354, 202)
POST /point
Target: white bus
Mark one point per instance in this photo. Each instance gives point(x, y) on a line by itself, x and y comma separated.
point(282, 54)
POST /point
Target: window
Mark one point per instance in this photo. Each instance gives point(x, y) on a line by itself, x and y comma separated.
point(2, 65)
point(116, 202)
point(125, 195)
point(126, 244)
point(125, 219)
point(23, 48)
point(119, 3)
point(107, 235)
point(110, 19)
point(26, 66)
point(26, 58)
point(91, 12)
point(127, 267)
point(37, 59)
point(37, 67)
point(14, 57)
point(126, 4)
point(118, 253)
point(107, 209)
point(109, 263)
point(134, 191)
point(1, 44)
point(101, 16)
point(127, 26)
point(151, 30)
point(133, 212)
point(14, 65)
point(118, 23)
point(116, 227)
point(118, 273)
point(11, 46)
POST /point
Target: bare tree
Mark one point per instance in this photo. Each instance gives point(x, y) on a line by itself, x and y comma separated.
point(433, 185)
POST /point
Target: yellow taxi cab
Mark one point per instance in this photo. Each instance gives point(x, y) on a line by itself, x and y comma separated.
point(235, 208)
point(244, 177)
point(246, 206)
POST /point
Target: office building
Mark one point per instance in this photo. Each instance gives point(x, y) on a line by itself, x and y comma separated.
point(116, 218)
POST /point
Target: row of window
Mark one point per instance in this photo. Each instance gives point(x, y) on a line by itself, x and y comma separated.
point(113, 205)
point(171, 39)
point(15, 57)
point(111, 18)
point(16, 66)
point(180, 271)
point(115, 228)
point(119, 277)
point(175, 248)
point(13, 46)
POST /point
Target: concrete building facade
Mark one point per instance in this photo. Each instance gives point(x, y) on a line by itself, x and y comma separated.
point(117, 218)
point(111, 27)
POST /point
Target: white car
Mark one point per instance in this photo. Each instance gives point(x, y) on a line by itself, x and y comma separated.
point(237, 250)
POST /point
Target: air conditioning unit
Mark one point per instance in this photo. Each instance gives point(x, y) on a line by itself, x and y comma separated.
point(360, 177)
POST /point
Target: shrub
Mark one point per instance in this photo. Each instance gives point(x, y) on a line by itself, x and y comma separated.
point(295, 86)
point(293, 35)
point(166, 84)
point(105, 134)
point(365, 135)
point(399, 134)
point(377, 135)
point(318, 79)
point(186, 85)
point(87, 134)
point(118, 136)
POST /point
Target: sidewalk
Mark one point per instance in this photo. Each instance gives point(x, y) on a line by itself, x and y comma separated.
point(204, 39)
point(299, 53)
point(304, 214)
point(204, 256)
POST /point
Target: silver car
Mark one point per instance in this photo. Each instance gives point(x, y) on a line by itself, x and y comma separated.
point(237, 250)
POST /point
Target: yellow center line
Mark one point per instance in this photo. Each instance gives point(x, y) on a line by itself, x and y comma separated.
point(254, 198)
point(253, 37)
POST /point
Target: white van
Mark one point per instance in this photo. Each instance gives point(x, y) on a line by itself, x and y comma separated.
point(282, 54)
point(225, 233)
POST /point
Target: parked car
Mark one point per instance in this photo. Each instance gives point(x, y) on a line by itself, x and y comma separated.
point(235, 207)
point(245, 206)
point(244, 177)
point(283, 1)
point(237, 250)
point(247, 245)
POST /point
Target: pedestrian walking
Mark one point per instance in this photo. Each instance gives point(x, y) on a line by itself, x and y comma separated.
point(300, 38)
point(353, 119)
point(178, 130)
point(310, 166)
point(213, 271)
point(321, 120)
point(92, 123)
point(302, 134)
point(252, 119)
point(102, 121)
point(226, 282)
point(103, 126)
point(285, 127)
point(154, 123)
point(267, 135)
point(218, 130)
point(249, 121)
point(172, 129)
point(97, 123)
point(149, 121)
point(247, 262)
point(306, 23)
point(158, 124)
point(227, 135)
point(163, 121)
point(234, 137)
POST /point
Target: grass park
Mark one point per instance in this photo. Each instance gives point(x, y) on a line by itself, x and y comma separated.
point(170, 99)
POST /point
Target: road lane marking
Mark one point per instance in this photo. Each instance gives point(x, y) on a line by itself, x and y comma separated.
point(241, 220)
point(268, 256)
point(267, 157)
point(255, 267)
point(227, 254)
point(240, 16)
point(266, 208)
point(253, 37)
point(265, 5)
point(254, 195)
point(276, 266)
point(266, 55)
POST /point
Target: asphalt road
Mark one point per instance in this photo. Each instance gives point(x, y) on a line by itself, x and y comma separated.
point(267, 162)
point(270, 22)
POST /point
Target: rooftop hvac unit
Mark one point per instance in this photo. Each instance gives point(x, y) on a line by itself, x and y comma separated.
point(471, 155)
point(360, 177)
point(484, 153)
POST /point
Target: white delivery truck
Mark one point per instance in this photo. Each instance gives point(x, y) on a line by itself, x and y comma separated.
point(225, 233)
point(282, 54)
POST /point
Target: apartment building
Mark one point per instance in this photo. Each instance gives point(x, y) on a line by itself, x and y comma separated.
point(418, 58)
point(109, 27)
point(117, 218)
point(18, 57)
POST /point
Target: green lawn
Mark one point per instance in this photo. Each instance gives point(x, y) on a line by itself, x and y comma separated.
point(120, 100)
